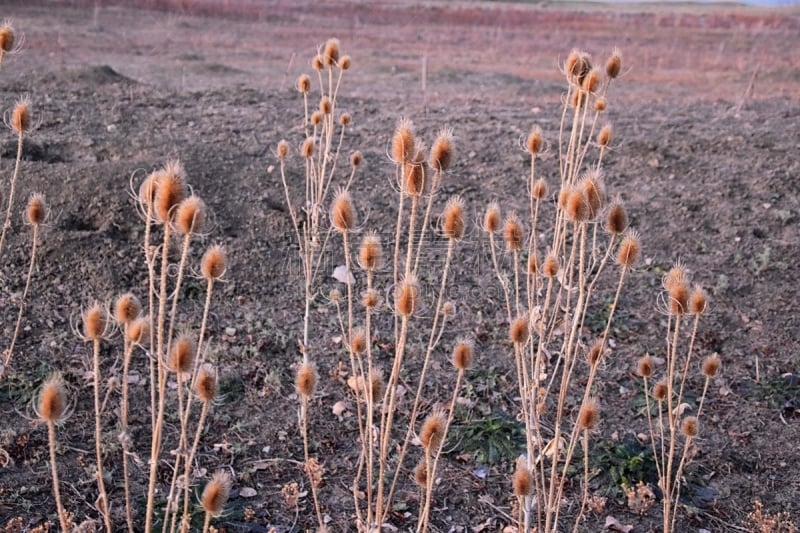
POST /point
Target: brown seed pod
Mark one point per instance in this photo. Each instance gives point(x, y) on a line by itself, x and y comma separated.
point(629, 250)
point(7, 39)
point(343, 214)
point(127, 308)
point(213, 263)
point(330, 54)
point(370, 253)
point(661, 390)
point(600, 104)
point(592, 81)
point(345, 62)
point(577, 66)
point(453, 218)
point(406, 296)
point(448, 309)
point(605, 135)
point(539, 189)
point(317, 63)
point(148, 188)
point(421, 474)
point(282, 149)
point(698, 301)
point(512, 233)
point(344, 119)
point(403, 142)
point(303, 83)
point(711, 366)
point(36, 210)
point(462, 354)
point(413, 178)
point(315, 120)
point(52, 403)
point(522, 482)
point(182, 354)
point(535, 141)
point(306, 380)
point(170, 192)
point(589, 415)
point(645, 367)
point(617, 219)
point(206, 383)
point(533, 264)
point(432, 432)
point(216, 492)
point(21, 116)
point(376, 382)
point(595, 191)
point(371, 299)
point(325, 105)
point(614, 64)
point(595, 353)
point(358, 342)
point(563, 196)
point(94, 322)
point(355, 158)
point(519, 331)
point(138, 330)
point(491, 220)
point(307, 148)
point(577, 208)
point(550, 266)
point(675, 276)
point(690, 427)
point(442, 150)
point(678, 295)
point(190, 215)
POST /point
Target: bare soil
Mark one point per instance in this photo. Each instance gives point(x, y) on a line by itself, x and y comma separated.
point(707, 133)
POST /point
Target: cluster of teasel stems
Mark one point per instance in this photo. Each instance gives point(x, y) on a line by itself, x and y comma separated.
point(418, 180)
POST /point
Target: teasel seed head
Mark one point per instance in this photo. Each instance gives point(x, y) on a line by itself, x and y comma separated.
point(36, 210)
point(441, 154)
point(595, 191)
point(711, 366)
point(592, 81)
point(345, 119)
point(690, 427)
point(614, 64)
point(550, 266)
point(448, 309)
point(7, 38)
point(491, 219)
point(214, 263)
point(675, 276)
point(335, 295)
point(432, 432)
point(148, 189)
point(629, 250)
point(533, 264)
point(563, 196)
point(413, 178)
point(577, 66)
point(182, 354)
point(190, 215)
point(330, 54)
point(282, 149)
point(512, 233)
point(660, 390)
point(698, 301)
point(595, 353)
point(421, 474)
point(305, 380)
point(678, 295)
point(406, 296)
point(617, 219)
point(535, 141)
point(539, 190)
point(138, 330)
point(206, 383)
point(605, 135)
point(303, 83)
point(317, 63)
point(370, 252)
point(325, 105)
point(600, 104)
point(577, 208)
point(453, 218)
point(645, 367)
point(589, 415)
point(358, 341)
point(52, 403)
point(403, 142)
point(94, 322)
point(376, 382)
point(343, 214)
point(21, 116)
point(519, 331)
point(463, 353)
point(307, 148)
point(522, 481)
point(345, 62)
point(315, 119)
point(371, 299)
point(355, 158)
point(170, 192)
point(216, 492)
point(127, 308)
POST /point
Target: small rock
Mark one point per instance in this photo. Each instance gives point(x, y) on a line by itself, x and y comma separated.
point(230, 332)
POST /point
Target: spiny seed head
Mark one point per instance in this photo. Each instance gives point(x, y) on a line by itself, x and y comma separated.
point(519, 331)
point(595, 353)
point(453, 218)
point(376, 382)
point(306, 380)
point(316, 118)
point(403, 142)
point(550, 266)
point(614, 64)
point(432, 432)
point(675, 276)
point(605, 135)
point(307, 148)
point(535, 141)
point(678, 299)
point(21, 116)
point(7, 38)
point(406, 296)
point(539, 189)
point(595, 191)
point(698, 301)
point(589, 415)
point(216, 492)
point(171, 191)
point(448, 309)
point(330, 54)
point(148, 189)
point(343, 214)
point(645, 367)
point(661, 390)
point(421, 474)
point(617, 219)
point(325, 105)
point(335, 295)
point(629, 250)
point(303, 83)
point(512, 233)
point(182, 354)
point(138, 330)
point(36, 210)
point(345, 62)
point(358, 342)
point(213, 263)
point(371, 299)
point(592, 81)
point(345, 119)
point(577, 208)
point(282, 150)
point(413, 178)
point(317, 63)
point(690, 427)
point(522, 482)
point(206, 383)
point(190, 215)
point(94, 322)
point(711, 366)
point(52, 403)
point(563, 196)
point(491, 219)
point(442, 150)
point(355, 158)
point(370, 252)
point(533, 264)
point(462, 353)
point(127, 308)
point(577, 66)
point(600, 104)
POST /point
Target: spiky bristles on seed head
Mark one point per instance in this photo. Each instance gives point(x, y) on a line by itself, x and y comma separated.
point(463, 352)
point(711, 366)
point(181, 355)
point(577, 66)
point(305, 380)
point(317, 63)
point(605, 135)
point(282, 150)
point(421, 474)
point(95, 323)
point(577, 206)
point(325, 105)
point(539, 189)
point(345, 119)
point(414, 173)
point(52, 402)
point(589, 415)
point(376, 383)
point(403, 142)
point(432, 432)
point(535, 141)
point(343, 214)
point(370, 252)
point(453, 218)
point(491, 219)
point(661, 390)
point(519, 331)
point(303, 83)
point(315, 119)
point(216, 492)
point(690, 427)
point(213, 263)
point(448, 309)
point(645, 367)
point(678, 295)
point(592, 80)
point(355, 158)
point(345, 62)
point(21, 116)
point(307, 148)
point(127, 308)
point(614, 64)
point(533, 264)
point(594, 188)
point(406, 296)
point(330, 54)
point(522, 481)
point(36, 210)
point(190, 215)
point(675, 276)
point(138, 330)
point(629, 250)
point(698, 301)
point(7, 38)
point(148, 189)
point(206, 383)
point(595, 352)
point(600, 104)
point(371, 299)
point(170, 192)
point(358, 341)
point(550, 266)
point(563, 195)
point(512, 233)
point(617, 218)
point(442, 150)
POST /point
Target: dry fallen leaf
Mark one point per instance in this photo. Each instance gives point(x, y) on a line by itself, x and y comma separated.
point(614, 525)
point(341, 274)
point(339, 408)
point(248, 492)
